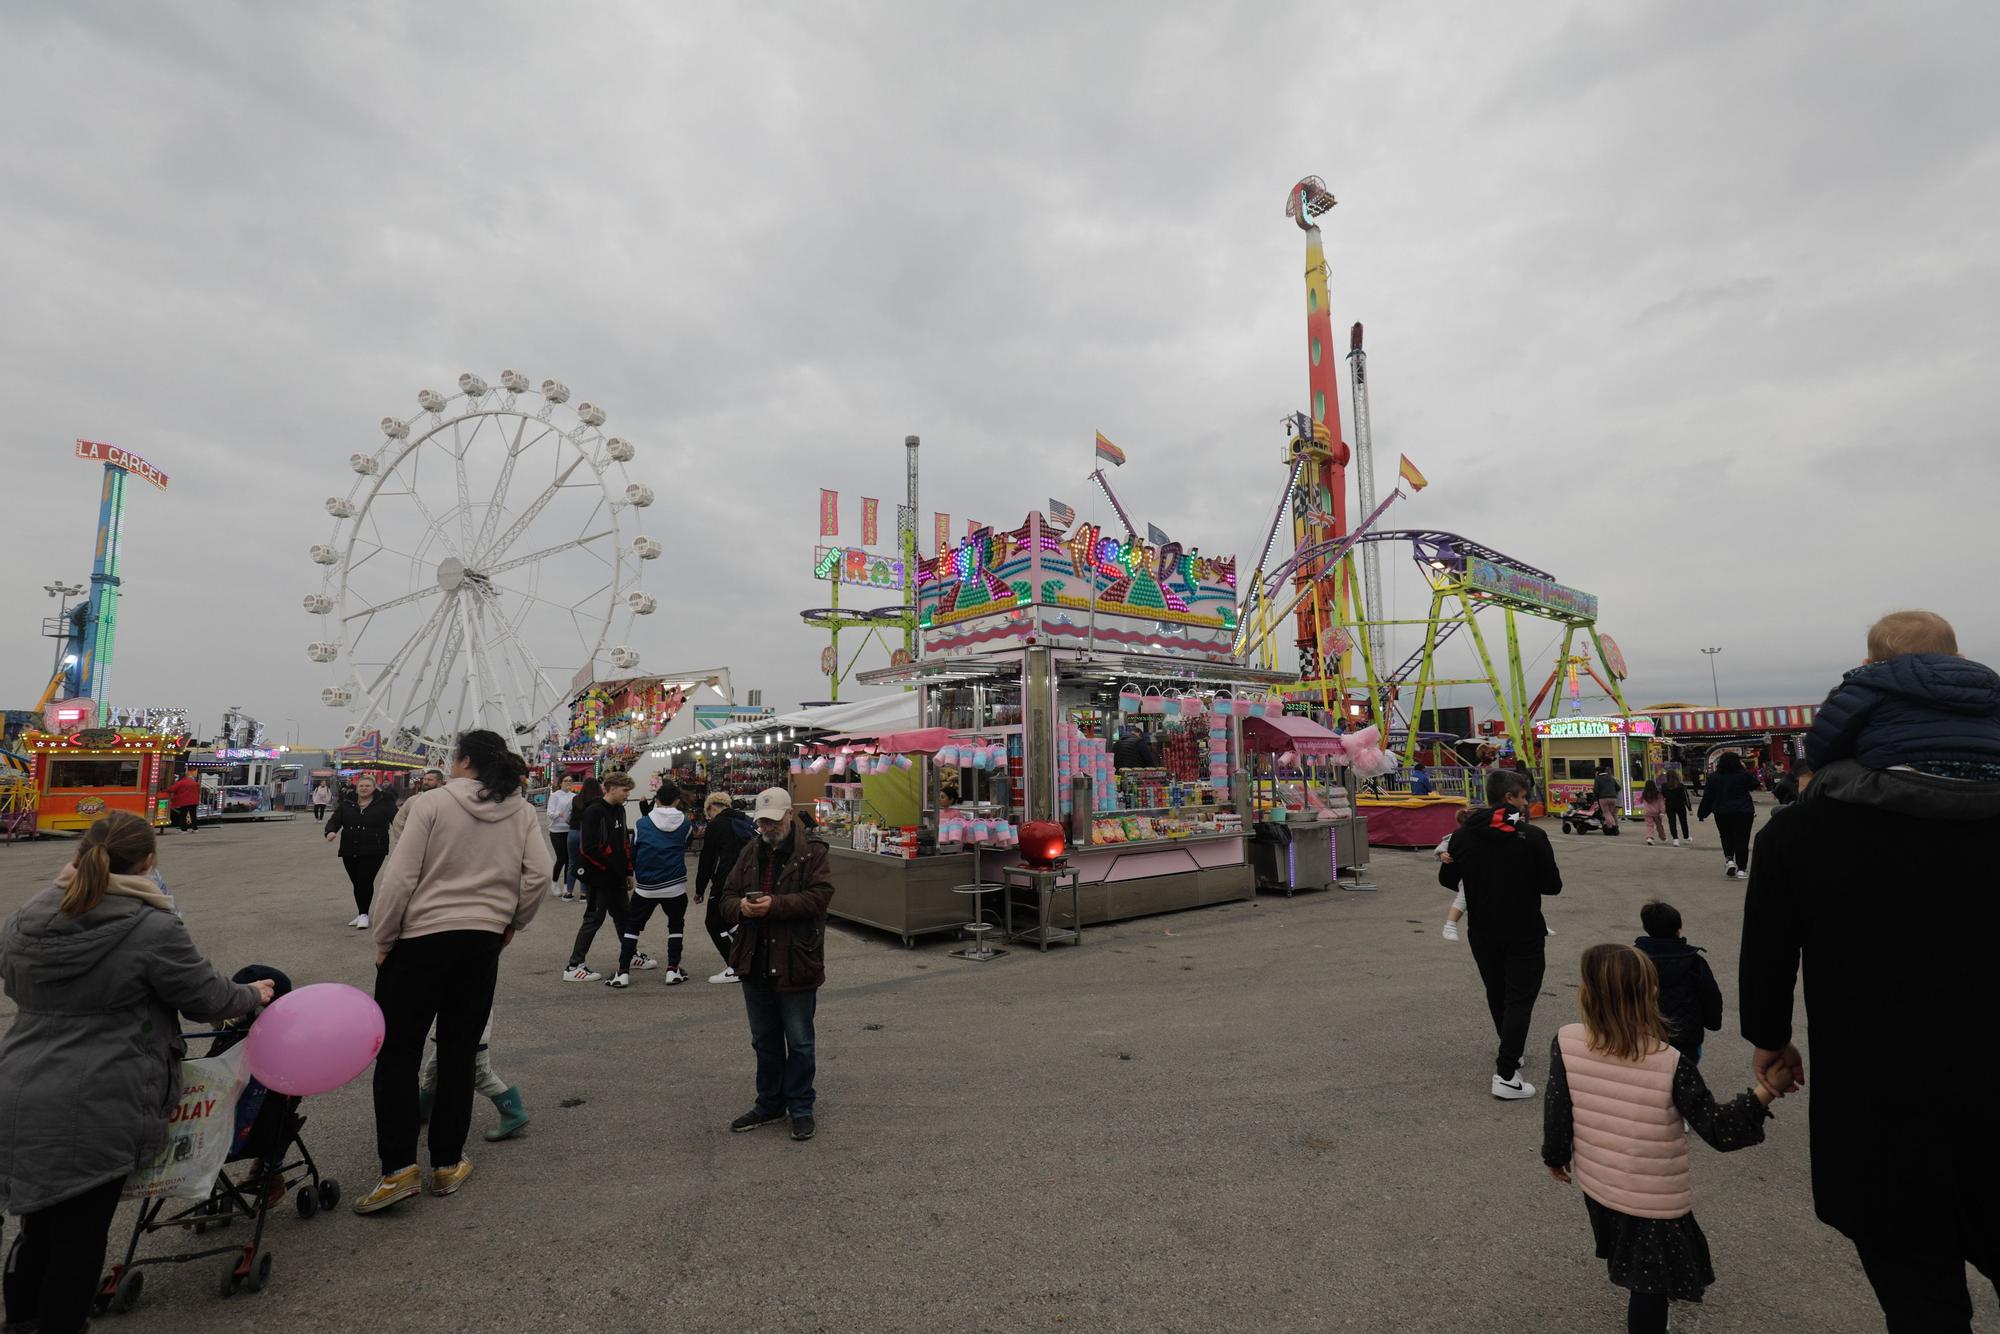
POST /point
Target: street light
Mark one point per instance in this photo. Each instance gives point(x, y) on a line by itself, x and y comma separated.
point(1711, 652)
point(295, 730)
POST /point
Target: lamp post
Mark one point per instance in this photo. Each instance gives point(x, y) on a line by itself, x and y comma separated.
point(1717, 689)
point(294, 730)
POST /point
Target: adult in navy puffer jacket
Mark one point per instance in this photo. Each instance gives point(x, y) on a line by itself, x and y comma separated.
point(1934, 711)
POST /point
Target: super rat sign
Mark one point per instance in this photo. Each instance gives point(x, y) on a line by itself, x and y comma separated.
point(99, 452)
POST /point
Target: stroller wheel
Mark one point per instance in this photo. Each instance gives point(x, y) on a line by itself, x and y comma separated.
point(308, 1202)
point(230, 1280)
point(260, 1272)
point(329, 1193)
point(130, 1284)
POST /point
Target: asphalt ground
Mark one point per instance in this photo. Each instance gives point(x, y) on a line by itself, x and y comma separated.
point(1270, 1115)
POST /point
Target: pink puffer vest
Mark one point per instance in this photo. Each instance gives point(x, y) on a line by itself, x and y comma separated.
point(1629, 1152)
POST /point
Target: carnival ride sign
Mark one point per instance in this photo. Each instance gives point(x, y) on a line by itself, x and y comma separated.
point(1593, 727)
point(1517, 585)
point(852, 565)
point(99, 452)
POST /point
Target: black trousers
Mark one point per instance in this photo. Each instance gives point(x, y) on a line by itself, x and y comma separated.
point(361, 873)
point(52, 1269)
point(1646, 1313)
point(711, 922)
point(639, 913)
point(1925, 1292)
point(319, 810)
point(604, 901)
point(1734, 831)
point(1512, 971)
point(1677, 823)
point(559, 840)
point(446, 979)
point(183, 817)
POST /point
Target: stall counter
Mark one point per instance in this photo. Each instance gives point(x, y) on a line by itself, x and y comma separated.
point(905, 896)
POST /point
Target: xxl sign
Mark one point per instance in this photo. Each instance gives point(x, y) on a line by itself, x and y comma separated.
point(1518, 585)
point(99, 452)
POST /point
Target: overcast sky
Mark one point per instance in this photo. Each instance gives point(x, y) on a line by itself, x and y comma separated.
point(1691, 304)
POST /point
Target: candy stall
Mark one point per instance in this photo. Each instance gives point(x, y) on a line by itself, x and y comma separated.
point(82, 775)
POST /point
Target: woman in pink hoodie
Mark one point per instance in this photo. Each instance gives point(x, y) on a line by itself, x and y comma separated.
point(1618, 1105)
point(470, 869)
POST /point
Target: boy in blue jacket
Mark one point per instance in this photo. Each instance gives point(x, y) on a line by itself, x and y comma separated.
point(660, 880)
point(1916, 702)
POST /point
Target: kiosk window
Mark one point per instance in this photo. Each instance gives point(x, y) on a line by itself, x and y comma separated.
point(94, 773)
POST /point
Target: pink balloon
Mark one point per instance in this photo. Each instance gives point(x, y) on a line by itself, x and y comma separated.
point(315, 1039)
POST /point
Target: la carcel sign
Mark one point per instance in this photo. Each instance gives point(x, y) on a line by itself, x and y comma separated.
point(99, 452)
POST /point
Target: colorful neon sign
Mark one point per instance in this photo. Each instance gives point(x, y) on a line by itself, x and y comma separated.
point(1588, 727)
point(852, 565)
point(99, 452)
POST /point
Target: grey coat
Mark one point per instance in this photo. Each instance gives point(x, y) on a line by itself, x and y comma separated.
point(90, 1067)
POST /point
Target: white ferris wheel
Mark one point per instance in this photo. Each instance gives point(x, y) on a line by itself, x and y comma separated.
point(478, 565)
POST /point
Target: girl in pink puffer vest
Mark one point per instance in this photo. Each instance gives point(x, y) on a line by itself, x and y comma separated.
point(1613, 1121)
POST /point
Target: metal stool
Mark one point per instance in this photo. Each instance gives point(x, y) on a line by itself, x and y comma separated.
point(1044, 883)
point(978, 951)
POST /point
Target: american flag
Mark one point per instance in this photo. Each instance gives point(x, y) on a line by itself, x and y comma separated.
point(1061, 515)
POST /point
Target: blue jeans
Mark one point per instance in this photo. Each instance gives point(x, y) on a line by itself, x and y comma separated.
point(781, 1033)
point(575, 856)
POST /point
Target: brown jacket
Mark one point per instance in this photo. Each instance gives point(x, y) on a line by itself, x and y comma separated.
point(796, 924)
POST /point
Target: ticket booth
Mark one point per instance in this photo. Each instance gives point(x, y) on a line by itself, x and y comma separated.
point(81, 776)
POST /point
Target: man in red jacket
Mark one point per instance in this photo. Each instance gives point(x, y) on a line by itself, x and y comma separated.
point(184, 801)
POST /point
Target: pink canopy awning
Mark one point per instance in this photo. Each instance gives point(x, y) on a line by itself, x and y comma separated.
point(1289, 733)
point(922, 741)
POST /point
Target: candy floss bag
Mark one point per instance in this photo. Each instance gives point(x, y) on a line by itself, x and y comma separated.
point(201, 1124)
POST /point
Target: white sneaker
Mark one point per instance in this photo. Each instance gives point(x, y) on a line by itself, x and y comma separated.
point(726, 975)
point(1735, 874)
point(674, 977)
point(581, 973)
point(1729, 868)
point(358, 921)
point(1451, 930)
point(642, 962)
point(621, 981)
point(1511, 1090)
point(1649, 842)
point(1548, 930)
point(1677, 842)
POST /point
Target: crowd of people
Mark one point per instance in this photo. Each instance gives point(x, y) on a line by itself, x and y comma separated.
point(1866, 881)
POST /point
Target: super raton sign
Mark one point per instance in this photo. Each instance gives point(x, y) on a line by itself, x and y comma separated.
point(1036, 582)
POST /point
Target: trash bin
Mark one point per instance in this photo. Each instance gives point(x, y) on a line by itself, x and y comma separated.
point(1270, 849)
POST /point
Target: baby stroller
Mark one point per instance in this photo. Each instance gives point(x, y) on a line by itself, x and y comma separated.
point(1584, 817)
point(274, 1162)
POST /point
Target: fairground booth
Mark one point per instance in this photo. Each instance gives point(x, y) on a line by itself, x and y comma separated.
point(1082, 680)
point(81, 775)
point(1572, 750)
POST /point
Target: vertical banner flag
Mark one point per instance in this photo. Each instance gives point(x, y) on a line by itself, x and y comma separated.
point(1408, 472)
point(1109, 453)
point(829, 513)
point(1061, 515)
point(868, 520)
point(942, 528)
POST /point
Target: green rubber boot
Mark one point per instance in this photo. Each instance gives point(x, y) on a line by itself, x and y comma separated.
point(513, 1116)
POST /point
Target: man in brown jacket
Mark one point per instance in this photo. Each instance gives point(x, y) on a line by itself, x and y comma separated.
point(777, 896)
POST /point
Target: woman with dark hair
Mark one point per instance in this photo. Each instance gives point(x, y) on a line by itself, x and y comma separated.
point(1676, 793)
point(97, 966)
point(469, 871)
point(1728, 799)
point(362, 822)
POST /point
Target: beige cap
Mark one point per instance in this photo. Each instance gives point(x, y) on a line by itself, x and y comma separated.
point(773, 803)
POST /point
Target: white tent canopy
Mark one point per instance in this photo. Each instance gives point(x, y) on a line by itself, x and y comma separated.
point(885, 713)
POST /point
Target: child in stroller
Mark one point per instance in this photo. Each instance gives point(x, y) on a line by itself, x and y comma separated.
point(266, 1138)
point(1585, 816)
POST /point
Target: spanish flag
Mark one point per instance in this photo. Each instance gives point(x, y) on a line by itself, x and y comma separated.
point(1109, 453)
point(1408, 471)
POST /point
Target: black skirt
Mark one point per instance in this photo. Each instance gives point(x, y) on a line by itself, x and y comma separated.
point(1667, 1255)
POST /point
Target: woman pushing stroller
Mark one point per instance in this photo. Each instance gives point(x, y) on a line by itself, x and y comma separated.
point(99, 966)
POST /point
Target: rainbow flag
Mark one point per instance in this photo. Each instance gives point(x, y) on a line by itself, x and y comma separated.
point(1109, 453)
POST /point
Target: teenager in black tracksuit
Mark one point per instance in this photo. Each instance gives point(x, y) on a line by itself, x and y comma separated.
point(1728, 799)
point(1505, 866)
point(729, 832)
point(606, 853)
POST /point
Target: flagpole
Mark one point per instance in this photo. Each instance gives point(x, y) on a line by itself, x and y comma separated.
point(1090, 575)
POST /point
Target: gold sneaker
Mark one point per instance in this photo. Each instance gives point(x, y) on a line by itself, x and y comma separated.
point(445, 1180)
point(396, 1186)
